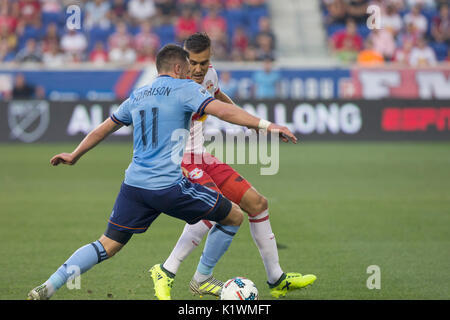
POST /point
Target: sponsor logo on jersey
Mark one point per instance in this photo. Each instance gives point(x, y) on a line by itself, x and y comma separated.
point(209, 86)
point(196, 173)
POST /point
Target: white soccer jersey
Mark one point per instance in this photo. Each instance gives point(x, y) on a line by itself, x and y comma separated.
point(196, 137)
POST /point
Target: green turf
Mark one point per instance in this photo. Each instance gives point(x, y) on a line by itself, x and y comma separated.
point(336, 208)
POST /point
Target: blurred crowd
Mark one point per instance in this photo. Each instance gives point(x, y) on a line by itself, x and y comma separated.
point(130, 31)
point(409, 32)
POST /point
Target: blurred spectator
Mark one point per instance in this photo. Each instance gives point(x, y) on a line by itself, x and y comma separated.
point(439, 47)
point(51, 6)
point(422, 55)
point(240, 40)
point(74, 44)
point(391, 20)
point(30, 53)
point(122, 54)
point(6, 54)
point(357, 10)
point(98, 55)
point(213, 21)
point(119, 11)
point(166, 7)
point(337, 11)
point(97, 14)
point(51, 36)
point(141, 10)
point(9, 39)
point(410, 34)
point(228, 85)
point(266, 81)
point(186, 24)
point(7, 17)
point(369, 56)
point(192, 5)
point(401, 55)
point(265, 29)
point(219, 43)
point(29, 10)
point(24, 90)
point(147, 54)
point(417, 19)
point(121, 37)
point(383, 42)
point(235, 15)
point(53, 57)
point(146, 38)
point(250, 54)
point(440, 27)
point(347, 39)
point(264, 49)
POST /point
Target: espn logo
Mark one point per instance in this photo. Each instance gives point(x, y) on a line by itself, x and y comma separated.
point(415, 119)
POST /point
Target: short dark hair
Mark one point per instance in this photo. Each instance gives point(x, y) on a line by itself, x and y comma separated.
point(198, 42)
point(169, 55)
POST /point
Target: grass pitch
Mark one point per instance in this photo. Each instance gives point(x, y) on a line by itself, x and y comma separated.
point(335, 208)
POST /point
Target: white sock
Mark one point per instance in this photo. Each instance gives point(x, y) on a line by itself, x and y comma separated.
point(200, 277)
point(265, 241)
point(191, 237)
point(50, 289)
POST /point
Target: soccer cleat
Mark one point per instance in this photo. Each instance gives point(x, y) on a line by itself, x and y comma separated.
point(162, 281)
point(290, 281)
point(210, 286)
point(38, 293)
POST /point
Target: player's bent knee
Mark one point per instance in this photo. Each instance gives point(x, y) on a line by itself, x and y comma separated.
point(111, 246)
point(235, 217)
point(258, 205)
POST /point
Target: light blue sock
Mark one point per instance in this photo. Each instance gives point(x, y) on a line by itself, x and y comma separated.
point(218, 241)
point(84, 258)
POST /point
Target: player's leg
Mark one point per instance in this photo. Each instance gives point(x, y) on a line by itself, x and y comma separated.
point(192, 234)
point(128, 216)
point(195, 203)
point(240, 191)
point(217, 243)
point(78, 263)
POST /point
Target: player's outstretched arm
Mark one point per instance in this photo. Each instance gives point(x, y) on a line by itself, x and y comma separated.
point(222, 96)
point(233, 114)
point(89, 142)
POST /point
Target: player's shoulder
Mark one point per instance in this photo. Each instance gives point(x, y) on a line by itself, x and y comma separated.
point(211, 73)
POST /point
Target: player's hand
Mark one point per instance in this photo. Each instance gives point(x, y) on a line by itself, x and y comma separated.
point(64, 158)
point(284, 132)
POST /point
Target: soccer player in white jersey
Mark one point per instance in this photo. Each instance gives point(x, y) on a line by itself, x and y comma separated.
point(203, 168)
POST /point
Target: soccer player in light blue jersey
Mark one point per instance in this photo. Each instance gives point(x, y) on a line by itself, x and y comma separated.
point(153, 182)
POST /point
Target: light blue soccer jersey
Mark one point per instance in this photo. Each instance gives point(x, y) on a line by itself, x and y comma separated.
point(156, 111)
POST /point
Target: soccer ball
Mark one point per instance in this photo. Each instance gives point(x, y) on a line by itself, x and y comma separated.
point(239, 288)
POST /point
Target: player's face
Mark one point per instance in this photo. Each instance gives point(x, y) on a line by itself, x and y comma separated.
point(199, 64)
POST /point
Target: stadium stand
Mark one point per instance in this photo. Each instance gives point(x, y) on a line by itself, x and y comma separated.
point(130, 31)
point(413, 32)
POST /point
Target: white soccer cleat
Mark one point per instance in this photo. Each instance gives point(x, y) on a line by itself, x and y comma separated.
point(38, 293)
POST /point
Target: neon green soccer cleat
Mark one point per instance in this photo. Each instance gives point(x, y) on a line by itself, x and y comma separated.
point(162, 282)
point(290, 281)
point(210, 286)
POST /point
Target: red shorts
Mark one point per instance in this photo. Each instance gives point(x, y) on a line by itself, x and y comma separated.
point(210, 172)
